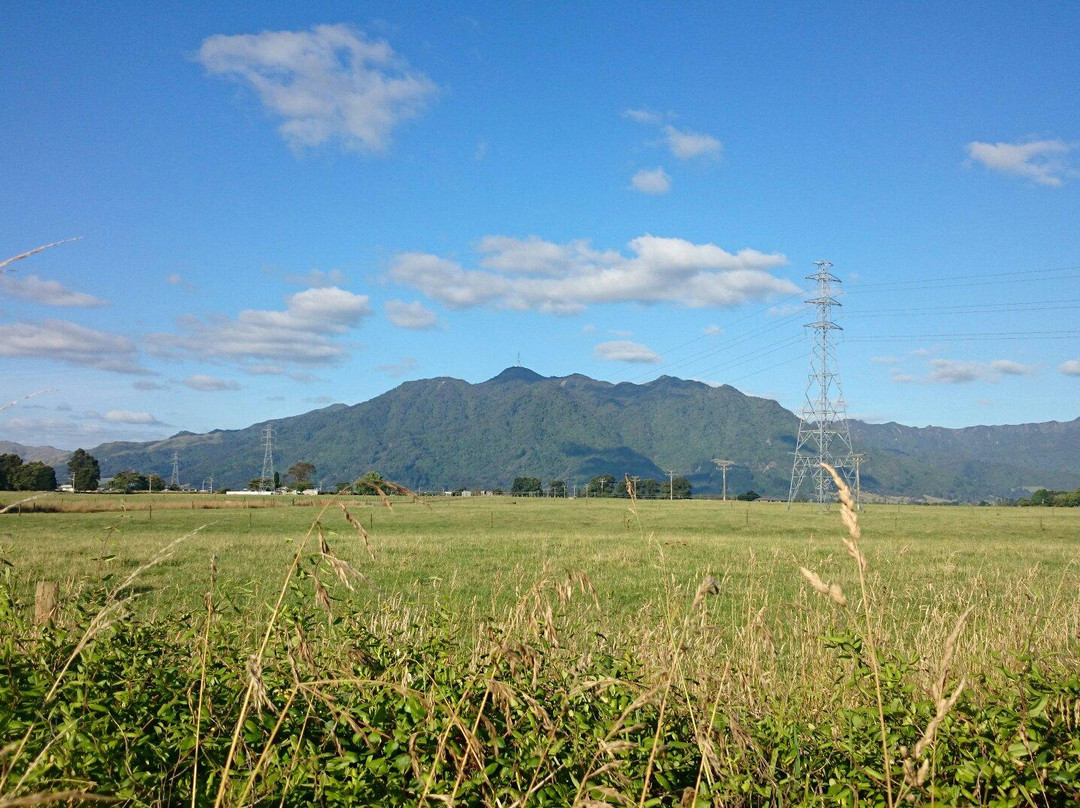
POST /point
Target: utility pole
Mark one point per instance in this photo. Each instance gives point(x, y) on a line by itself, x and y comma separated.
point(634, 480)
point(671, 484)
point(858, 458)
point(723, 466)
point(824, 436)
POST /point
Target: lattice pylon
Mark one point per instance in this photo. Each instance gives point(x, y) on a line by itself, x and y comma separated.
point(823, 427)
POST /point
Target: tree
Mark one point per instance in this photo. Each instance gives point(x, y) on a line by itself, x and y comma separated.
point(748, 496)
point(526, 485)
point(557, 488)
point(84, 470)
point(370, 483)
point(302, 473)
point(277, 481)
point(127, 482)
point(648, 489)
point(602, 485)
point(35, 476)
point(9, 468)
point(256, 483)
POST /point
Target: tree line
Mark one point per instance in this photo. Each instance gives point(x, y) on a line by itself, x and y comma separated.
point(606, 485)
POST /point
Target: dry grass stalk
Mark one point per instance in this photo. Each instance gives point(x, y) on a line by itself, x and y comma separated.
point(71, 797)
point(359, 529)
point(832, 591)
point(851, 522)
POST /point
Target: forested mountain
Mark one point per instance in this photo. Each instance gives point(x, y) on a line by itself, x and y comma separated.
point(446, 433)
point(49, 455)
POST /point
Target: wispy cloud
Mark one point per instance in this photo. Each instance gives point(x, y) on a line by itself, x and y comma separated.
point(316, 278)
point(1070, 368)
point(63, 341)
point(210, 384)
point(623, 351)
point(532, 274)
point(410, 315)
point(403, 368)
point(956, 371)
point(643, 115)
point(304, 333)
point(129, 417)
point(331, 83)
point(147, 385)
point(686, 144)
point(884, 360)
point(49, 293)
point(1042, 161)
point(653, 181)
point(176, 279)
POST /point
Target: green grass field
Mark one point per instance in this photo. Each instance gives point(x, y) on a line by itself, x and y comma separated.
point(545, 598)
point(459, 550)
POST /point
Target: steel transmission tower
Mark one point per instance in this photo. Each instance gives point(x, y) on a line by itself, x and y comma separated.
point(266, 479)
point(823, 428)
point(175, 481)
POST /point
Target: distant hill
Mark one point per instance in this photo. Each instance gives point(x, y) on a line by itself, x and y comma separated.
point(49, 455)
point(446, 433)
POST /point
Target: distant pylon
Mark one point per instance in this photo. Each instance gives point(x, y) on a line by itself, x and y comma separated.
point(266, 479)
point(175, 481)
point(823, 428)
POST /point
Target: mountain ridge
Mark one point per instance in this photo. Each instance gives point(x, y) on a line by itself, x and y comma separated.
point(447, 433)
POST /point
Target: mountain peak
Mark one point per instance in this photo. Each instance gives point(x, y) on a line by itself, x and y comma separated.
point(517, 374)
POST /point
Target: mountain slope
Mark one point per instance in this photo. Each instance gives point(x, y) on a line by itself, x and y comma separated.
point(445, 432)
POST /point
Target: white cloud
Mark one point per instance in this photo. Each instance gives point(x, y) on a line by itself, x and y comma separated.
point(712, 330)
point(129, 417)
point(622, 351)
point(63, 341)
point(1042, 161)
point(410, 315)
point(620, 332)
point(481, 150)
point(955, 371)
point(50, 293)
point(210, 384)
point(686, 145)
point(588, 329)
point(303, 333)
point(317, 278)
point(1009, 367)
point(653, 181)
point(643, 115)
point(176, 279)
point(884, 360)
point(149, 385)
point(265, 370)
point(402, 368)
point(1070, 368)
point(785, 309)
point(531, 274)
point(331, 83)
point(902, 378)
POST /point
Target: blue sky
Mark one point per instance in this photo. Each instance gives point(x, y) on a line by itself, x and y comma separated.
point(282, 206)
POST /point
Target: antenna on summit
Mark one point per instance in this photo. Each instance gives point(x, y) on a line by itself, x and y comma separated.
point(518, 360)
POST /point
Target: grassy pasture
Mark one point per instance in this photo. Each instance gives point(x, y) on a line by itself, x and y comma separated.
point(484, 598)
point(460, 550)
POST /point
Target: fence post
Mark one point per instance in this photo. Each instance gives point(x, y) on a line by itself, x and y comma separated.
point(46, 601)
